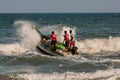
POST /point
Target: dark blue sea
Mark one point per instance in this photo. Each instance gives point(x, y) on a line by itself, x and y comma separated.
point(97, 38)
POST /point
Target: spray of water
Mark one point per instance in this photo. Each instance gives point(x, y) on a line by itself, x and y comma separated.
point(86, 46)
point(98, 45)
point(29, 38)
point(58, 29)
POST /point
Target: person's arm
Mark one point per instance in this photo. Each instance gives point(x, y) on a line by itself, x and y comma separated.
point(71, 38)
point(64, 38)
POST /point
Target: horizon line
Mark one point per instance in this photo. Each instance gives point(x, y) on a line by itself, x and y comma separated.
point(53, 12)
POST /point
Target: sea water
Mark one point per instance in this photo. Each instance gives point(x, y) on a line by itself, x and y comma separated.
point(97, 38)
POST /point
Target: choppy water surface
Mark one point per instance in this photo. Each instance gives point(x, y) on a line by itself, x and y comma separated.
point(97, 38)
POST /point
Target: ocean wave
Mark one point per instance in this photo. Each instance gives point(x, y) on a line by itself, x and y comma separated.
point(29, 39)
point(99, 45)
point(110, 74)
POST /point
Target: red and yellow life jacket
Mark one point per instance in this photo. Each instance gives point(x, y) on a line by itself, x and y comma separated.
point(67, 37)
point(53, 37)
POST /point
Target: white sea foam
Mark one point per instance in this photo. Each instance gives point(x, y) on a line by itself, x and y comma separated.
point(28, 35)
point(58, 29)
point(29, 38)
point(97, 45)
point(12, 49)
point(110, 74)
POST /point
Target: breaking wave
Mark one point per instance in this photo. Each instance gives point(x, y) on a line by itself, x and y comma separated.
point(29, 38)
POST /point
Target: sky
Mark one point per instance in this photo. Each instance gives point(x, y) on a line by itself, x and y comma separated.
point(59, 6)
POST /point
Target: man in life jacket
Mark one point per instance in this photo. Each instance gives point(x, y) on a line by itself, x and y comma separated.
point(53, 39)
point(66, 39)
point(73, 48)
point(72, 39)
